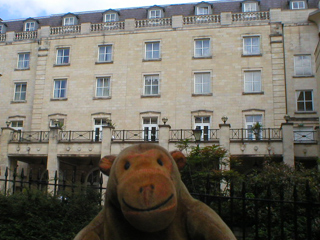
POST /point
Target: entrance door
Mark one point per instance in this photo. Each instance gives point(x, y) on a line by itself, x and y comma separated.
point(150, 127)
point(250, 121)
point(203, 123)
point(98, 123)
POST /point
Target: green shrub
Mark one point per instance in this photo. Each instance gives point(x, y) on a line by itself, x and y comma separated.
point(34, 215)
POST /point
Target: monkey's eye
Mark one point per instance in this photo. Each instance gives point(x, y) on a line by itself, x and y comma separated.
point(127, 166)
point(160, 162)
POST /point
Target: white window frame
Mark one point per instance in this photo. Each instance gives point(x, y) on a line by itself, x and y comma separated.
point(98, 124)
point(105, 53)
point(304, 101)
point(152, 88)
point(302, 65)
point(1, 28)
point(17, 125)
point(202, 47)
point(249, 47)
point(204, 125)
point(29, 26)
point(63, 56)
point(110, 17)
point(150, 128)
point(203, 10)
point(20, 91)
point(250, 7)
point(103, 90)
point(59, 91)
point(23, 61)
point(154, 13)
point(248, 124)
point(298, 5)
point(202, 82)
point(69, 21)
point(153, 53)
point(252, 81)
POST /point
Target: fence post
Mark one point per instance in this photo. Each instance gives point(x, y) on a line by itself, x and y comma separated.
point(53, 163)
point(287, 143)
point(164, 135)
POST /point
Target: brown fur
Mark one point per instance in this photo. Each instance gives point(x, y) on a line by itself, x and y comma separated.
point(147, 200)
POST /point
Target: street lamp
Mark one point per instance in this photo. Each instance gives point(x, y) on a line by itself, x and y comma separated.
point(8, 123)
point(164, 120)
point(197, 134)
point(224, 119)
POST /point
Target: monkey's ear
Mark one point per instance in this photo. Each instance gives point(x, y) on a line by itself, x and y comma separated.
point(105, 164)
point(179, 158)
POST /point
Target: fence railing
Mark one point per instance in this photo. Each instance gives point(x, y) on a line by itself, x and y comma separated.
point(201, 19)
point(270, 134)
point(183, 134)
point(154, 22)
point(65, 29)
point(304, 136)
point(79, 136)
point(30, 136)
point(250, 16)
point(135, 135)
point(283, 212)
point(26, 35)
point(107, 26)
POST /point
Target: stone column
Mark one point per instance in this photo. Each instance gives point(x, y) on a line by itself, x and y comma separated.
point(177, 21)
point(287, 143)
point(226, 18)
point(224, 141)
point(164, 136)
point(10, 36)
point(44, 32)
point(85, 28)
point(130, 24)
point(53, 163)
point(4, 160)
point(106, 140)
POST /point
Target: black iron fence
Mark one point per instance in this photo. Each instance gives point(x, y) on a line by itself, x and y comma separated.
point(270, 134)
point(30, 136)
point(252, 213)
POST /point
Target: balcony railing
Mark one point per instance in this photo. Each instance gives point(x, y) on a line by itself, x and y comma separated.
point(26, 35)
point(201, 19)
point(304, 136)
point(270, 134)
point(79, 136)
point(153, 22)
point(182, 134)
point(107, 26)
point(250, 16)
point(135, 135)
point(65, 29)
point(3, 37)
point(30, 136)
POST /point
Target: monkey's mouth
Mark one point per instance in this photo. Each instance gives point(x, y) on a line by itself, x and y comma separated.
point(148, 209)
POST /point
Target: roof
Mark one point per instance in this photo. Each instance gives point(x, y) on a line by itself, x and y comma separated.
point(141, 12)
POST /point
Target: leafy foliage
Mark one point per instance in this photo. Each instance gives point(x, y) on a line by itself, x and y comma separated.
point(32, 214)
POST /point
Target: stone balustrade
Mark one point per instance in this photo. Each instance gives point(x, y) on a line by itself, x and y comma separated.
point(65, 30)
point(107, 26)
point(201, 19)
point(156, 22)
point(26, 35)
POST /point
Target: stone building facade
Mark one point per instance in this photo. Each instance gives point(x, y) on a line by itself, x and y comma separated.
point(77, 86)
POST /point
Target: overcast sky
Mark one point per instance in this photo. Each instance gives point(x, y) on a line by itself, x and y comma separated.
point(22, 9)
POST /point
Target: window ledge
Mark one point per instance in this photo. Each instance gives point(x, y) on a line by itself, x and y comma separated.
point(152, 60)
point(204, 57)
point(101, 98)
point(18, 101)
point(61, 65)
point(252, 93)
point(58, 99)
point(306, 112)
point(110, 62)
point(303, 76)
point(201, 94)
point(151, 96)
point(22, 69)
point(251, 55)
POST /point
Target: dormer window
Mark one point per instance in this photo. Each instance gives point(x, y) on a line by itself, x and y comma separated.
point(30, 25)
point(155, 12)
point(298, 5)
point(70, 19)
point(3, 28)
point(111, 16)
point(250, 6)
point(203, 8)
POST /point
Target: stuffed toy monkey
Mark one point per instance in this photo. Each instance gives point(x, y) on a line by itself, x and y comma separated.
point(146, 200)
